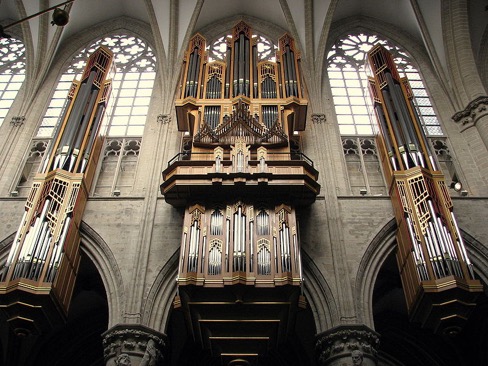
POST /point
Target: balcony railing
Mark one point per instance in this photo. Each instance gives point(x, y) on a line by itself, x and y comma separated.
point(209, 156)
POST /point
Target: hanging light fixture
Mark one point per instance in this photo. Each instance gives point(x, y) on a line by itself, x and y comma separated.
point(60, 18)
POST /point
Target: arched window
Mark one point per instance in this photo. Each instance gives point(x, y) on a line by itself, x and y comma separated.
point(132, 86)
point(348, 80)
point(346, 65)
point(125, 119)
point(12, 72)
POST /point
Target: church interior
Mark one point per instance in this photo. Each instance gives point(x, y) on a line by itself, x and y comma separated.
point(243, 183)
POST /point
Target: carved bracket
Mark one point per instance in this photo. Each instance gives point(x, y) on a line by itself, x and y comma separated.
point(17, 121)
point(474, 111)
point(318, 118)
point(164, 118)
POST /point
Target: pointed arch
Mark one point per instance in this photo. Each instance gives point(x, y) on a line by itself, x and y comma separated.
point(93, 245)
point(319, 295)
point(375, 255)
point(160, 298)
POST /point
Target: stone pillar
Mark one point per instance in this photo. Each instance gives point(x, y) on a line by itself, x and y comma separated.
point(134, 345)
point(347, 345)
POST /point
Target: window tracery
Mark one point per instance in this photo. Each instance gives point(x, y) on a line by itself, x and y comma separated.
point(348, 80)
point(266, 48)
point(12, 72)
point(132, 86)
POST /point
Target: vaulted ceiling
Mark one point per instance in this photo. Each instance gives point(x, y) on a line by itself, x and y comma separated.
point(172, 21)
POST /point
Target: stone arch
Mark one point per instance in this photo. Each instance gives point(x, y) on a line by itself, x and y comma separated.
point(319, 295)
point(73, 44)
point(382, 245)
point(261, 26)
point(159, 301)
point(158, 305)
point(376, 253)
point(437, 90)
point(478, 254)
point(98, 251)
point(483, 59)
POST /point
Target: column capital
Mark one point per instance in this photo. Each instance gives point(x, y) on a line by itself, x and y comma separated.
point(473, 112)
point(134, 345)
point(338, 346)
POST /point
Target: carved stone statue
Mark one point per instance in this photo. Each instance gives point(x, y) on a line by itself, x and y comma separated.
point(150, 356)
point(357, 358)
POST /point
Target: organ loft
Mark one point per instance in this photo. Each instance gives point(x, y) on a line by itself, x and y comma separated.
point(240, 177)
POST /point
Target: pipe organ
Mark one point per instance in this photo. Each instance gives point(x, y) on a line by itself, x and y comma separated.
point(240, 177)
point(38, 277)
point(438, 278)
point(239, 243)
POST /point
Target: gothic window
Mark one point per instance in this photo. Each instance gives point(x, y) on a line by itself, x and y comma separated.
point(127, 112)
point(348, 80)
point(132, 86)
point(363, 166)
point(12, 72)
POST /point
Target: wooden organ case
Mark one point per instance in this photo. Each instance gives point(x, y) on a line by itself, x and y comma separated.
point(240, 176)
point(38, 277)
point(437, 275)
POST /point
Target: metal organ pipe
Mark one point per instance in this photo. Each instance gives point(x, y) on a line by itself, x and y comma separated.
point(93, 136)
point(396, 131)
point(247, 65)
point(409, 124)
point(15, 246)
point(204, 248)
point(386, 135)
point(188, 75)
point(236, 68)
point(422, 135)
point(293, 74)
point(403, 118)
point(227, 73)
point(251, 245)
point(241, 63)
point(255, 71)
point(286, 71)
point(227, 240)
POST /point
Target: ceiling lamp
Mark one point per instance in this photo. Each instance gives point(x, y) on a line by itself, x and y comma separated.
point(60, 18)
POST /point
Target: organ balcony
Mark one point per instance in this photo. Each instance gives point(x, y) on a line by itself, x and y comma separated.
point(240, 175)
point(243, 173)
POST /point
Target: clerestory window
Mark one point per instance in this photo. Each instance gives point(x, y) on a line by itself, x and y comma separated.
point(12, 72)
point(348, 81)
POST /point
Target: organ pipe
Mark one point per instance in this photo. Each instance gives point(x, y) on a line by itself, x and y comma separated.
point(47, 240)
point(246, 246)
point(431, 251)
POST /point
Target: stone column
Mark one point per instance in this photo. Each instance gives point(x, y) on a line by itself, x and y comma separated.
point(347, 345)
point(134, 345)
